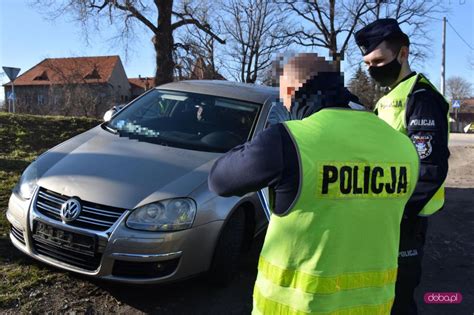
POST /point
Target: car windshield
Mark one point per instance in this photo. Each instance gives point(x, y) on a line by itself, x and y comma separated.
point(187, 120)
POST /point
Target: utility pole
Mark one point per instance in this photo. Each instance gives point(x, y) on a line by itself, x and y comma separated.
point(443, 58)
point(14, 96)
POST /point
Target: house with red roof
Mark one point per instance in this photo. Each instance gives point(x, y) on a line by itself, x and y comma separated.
point(57, 81)
point(140, 85)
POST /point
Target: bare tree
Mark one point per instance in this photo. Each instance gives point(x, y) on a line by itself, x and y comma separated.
point(196, 51)
point(414, 16)
point(328, 24)
point(252, 27)
point(158, 16)
point(271, 76)
point(365, 88)
point(331, 24)
point(458, 88)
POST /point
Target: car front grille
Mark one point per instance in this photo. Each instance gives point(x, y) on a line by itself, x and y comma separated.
point(18, 234)
point(93, 216)
point(72, 248)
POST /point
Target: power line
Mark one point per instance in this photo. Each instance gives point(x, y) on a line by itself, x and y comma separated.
point(433, 18)
point(459, 35)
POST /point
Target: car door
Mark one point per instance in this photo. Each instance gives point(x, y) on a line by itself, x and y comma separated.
point(262, 123)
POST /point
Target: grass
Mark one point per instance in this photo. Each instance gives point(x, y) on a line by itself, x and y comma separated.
point(22, 139)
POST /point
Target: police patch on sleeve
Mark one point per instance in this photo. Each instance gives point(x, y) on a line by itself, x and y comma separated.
point(420, 123)
point(423, 145)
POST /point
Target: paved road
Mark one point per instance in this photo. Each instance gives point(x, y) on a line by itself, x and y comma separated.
point(461, 139)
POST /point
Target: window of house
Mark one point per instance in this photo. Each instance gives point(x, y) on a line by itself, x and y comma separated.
point(42, 77)
point(94, 74)
point(40, 99)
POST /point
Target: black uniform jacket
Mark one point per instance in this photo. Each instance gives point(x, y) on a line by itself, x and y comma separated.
point(427, 125)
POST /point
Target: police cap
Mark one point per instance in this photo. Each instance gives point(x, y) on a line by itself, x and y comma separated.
point(370, 36)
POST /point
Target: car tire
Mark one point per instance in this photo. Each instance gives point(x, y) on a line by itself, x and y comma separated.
point(225, 262)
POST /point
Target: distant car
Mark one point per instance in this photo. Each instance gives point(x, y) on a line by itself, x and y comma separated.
point(129, 201)
point(469, 128)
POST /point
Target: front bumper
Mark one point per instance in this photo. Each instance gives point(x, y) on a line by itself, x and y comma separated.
point(120, 254)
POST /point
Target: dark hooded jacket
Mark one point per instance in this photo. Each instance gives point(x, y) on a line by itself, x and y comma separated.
point(270, 158)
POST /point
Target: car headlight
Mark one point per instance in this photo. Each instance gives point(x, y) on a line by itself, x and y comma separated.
point(167, 215)
point(26, 185)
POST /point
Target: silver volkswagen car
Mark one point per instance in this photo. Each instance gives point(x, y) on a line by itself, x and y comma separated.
point(129, 201)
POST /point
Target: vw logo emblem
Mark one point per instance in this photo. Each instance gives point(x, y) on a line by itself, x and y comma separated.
point(70, 210)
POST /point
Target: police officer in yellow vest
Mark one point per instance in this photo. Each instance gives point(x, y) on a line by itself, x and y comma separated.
point(415, 108)
point(339, 181)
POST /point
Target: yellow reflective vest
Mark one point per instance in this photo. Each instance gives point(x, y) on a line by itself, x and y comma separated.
point(335, 251)
point(392, 109)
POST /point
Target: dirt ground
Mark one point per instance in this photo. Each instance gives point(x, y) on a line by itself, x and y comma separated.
point(448, 267)
point(449, 253)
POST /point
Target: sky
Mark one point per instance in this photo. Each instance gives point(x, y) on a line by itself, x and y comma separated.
point(28, 36)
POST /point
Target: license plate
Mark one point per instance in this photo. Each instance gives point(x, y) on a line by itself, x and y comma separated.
point(52, 236)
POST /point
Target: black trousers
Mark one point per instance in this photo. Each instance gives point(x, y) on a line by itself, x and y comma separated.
point(412, 241)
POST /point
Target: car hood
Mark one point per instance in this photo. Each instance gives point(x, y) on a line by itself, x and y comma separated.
point(103, 168)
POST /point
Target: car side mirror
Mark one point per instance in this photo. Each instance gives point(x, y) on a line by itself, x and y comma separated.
point(108, 114)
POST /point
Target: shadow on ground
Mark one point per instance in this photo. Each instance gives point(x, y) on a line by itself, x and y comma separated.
point(448, 265)
point(194, 295)
point(13, 165)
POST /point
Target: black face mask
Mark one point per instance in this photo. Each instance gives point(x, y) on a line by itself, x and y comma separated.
point(386, 75)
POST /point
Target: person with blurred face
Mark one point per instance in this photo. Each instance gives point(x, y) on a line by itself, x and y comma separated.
point(339, 179)
point(414, 107)
point(296, 73)
point(292, 79)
